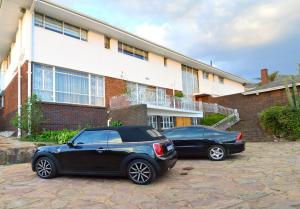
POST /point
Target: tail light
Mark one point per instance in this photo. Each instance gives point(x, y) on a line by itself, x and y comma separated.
point(158, 149)
point(239, 137)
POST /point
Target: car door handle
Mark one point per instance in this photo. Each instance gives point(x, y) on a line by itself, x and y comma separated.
point(100, 150)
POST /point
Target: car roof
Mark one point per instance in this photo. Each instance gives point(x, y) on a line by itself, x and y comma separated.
point(130, 133)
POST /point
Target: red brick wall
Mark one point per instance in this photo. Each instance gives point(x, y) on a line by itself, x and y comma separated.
point(11, 99)
point(249, 106)
point(60, 116)
point(113, 87)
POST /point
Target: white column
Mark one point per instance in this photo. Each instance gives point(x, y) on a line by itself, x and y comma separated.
point(19, 100)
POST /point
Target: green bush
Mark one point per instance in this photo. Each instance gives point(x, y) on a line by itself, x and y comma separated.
point(211, 119)
point(281, 121)
point(58, 137)
point(116, 123)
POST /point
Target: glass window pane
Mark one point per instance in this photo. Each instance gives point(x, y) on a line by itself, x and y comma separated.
point(39, 20)
point(127, 49)
point(114, 138)
point(53, 24)
point(72, 31)
point(43, 82)
point(97, 97)
point(71, 87)
point(92, 137)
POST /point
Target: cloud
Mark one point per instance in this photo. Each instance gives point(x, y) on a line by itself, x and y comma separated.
point(240, 36)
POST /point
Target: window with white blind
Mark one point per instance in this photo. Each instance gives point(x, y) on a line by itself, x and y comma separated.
point(190, 82)
point(152, 121)
point(167, 122)
point(59, 26)
point(55, 84)
point(132, 51)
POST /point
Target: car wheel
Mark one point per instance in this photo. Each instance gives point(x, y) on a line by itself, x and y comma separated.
point(217, 153)
point(45, 168)
point(141, 172)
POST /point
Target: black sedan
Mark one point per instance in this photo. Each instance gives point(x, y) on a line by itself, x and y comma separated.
point(138, 152)
point(205, 141)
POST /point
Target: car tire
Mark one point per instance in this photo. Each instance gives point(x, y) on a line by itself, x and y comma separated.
point(217, 153)
point(141, 172)
point(45, 168)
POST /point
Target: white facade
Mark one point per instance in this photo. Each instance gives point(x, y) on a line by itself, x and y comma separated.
point(40, 45)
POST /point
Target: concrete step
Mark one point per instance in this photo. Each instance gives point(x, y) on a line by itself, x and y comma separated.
point(14, 151)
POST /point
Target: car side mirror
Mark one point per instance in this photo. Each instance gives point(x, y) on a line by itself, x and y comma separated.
point(70, 144)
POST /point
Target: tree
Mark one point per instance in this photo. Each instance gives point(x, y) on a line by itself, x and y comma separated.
point(31, 116)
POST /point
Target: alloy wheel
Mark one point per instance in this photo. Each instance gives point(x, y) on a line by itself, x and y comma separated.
point(44, 168)
point(140, 172)
point(216, 153)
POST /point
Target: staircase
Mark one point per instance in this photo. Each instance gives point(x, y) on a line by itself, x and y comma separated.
point(232, 115)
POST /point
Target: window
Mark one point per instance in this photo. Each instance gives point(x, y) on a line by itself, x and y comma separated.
point(205, 75)
point(152, 121)
point(221, 80)
point(114, 138)
point(58, 26)
point(190, 82)
point(167, 122)
point(71, 30)
point(71, 87)
point(92, 137)
point(106, 42)
point(53, 24)
point(165, 61)
point(195, 121)
point(154, 133)
point(161, 96)
point(43, 82)
point(185, 133)
point(39, 20)
point(1, 101)
point(54, 84)
point(132, 51)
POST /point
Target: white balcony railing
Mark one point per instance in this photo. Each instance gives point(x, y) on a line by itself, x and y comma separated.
point(153, 99)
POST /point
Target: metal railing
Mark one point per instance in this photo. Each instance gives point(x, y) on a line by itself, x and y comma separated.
point(155, 100)
point(229, 121)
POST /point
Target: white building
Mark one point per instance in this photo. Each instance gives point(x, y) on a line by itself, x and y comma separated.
point(74, 62)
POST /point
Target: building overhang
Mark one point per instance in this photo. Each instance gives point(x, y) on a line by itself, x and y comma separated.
point(10, 13)
point(93, 24)
point(164, 111)
point(258, 91)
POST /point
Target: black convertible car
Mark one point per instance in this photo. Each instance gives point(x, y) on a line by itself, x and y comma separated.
point(138, 152)
point(206, 141)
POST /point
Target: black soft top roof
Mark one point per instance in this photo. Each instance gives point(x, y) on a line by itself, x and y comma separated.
point(131, 133)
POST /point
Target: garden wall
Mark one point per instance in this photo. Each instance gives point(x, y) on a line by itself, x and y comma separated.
point(249, 106)
point(132, 115)
point(66, 116)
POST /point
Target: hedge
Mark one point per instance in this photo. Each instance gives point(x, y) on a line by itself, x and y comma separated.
point(211, 119)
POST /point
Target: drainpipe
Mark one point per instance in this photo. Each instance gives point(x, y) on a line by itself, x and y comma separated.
point(19, 80)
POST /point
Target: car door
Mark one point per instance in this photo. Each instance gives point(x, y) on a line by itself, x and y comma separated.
point(117, 151)
point(188, 141)
point(88, 153)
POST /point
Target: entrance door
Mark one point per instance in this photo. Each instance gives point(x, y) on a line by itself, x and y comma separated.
point(183, 121)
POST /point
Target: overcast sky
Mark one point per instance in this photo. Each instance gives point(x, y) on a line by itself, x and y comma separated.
point(239, 36)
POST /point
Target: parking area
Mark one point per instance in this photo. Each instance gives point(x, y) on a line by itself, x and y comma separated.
point(266, 175)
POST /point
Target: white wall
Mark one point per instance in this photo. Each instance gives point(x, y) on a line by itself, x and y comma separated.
point(213, 87)
point(19, 52)
point(60, 50)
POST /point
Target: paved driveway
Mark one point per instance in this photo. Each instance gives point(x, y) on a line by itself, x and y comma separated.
point(266, 175)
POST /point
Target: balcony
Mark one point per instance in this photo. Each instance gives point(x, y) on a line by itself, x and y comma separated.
point(153, 100)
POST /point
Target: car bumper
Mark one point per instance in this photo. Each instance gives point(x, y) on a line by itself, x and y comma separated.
point(235, 147)
point(167, 164)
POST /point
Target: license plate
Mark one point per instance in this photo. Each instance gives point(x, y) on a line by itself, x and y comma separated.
point(170, 147)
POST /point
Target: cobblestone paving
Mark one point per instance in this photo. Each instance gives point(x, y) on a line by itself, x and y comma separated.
point(266, 175)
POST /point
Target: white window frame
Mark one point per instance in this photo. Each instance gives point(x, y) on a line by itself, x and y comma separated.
point(167, 122)
point(152, 121)
point(54, 91)
point(63, 27)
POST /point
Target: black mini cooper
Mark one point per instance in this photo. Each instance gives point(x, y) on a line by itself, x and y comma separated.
point(138, 152)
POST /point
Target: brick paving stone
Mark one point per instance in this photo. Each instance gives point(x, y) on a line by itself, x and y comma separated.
point(266, 175)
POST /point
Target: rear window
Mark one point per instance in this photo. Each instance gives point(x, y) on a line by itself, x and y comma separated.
point(139, 134)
